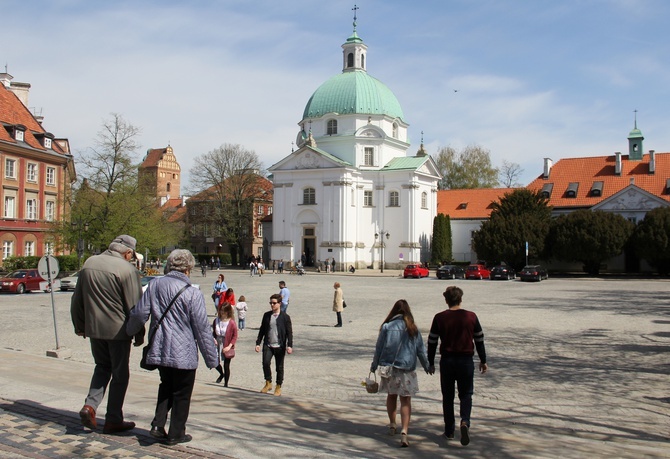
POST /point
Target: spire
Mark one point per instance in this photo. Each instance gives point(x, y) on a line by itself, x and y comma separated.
point(635, 139)
point(354, 49)
point(421, 151)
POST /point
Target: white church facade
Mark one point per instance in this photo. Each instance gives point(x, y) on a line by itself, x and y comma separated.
point(350, 191)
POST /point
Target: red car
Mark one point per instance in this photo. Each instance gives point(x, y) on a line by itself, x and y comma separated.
point(21, 281)
point(416, 271)
point(477, 272)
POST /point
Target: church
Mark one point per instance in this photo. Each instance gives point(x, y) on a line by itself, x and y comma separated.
point(350, 192)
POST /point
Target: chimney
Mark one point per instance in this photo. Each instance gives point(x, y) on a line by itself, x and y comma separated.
point(6, 79)
point(547, 167)
point(617, 165)
point(652, 162)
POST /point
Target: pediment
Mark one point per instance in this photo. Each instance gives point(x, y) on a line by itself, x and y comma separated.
point(308, 158)
point(631, 198)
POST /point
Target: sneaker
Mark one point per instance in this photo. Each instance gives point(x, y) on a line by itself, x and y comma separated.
point(465, 434)
point(392, 429)
point(449, 436)
point(404, 442)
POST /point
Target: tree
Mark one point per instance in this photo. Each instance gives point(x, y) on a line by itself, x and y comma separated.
point(520, 217)
point(590, 237)
point(651, 239)
point(441, 245)
point(509, 174)
point(229, 178)
point(109, 200)
point(470, 168)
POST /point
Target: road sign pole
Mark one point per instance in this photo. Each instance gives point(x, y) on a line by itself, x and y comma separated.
point(53, 302)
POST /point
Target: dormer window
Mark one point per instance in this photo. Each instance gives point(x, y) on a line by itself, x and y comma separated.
point(19, 135)
point(546, 190)
point(463, 205)
point(597, 189)
point(571, 192)
point(331, 128)
point(47, 142)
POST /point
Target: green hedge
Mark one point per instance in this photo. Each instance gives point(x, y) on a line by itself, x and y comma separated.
point(65, 263)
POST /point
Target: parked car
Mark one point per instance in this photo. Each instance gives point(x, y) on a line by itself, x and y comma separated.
point(477, 271)
point(450, 272)
point(533, 273)
point(69, 282)
point(21, 281)
point(416, 271)
point(502, 272)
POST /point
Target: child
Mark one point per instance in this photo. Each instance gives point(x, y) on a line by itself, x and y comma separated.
point(225, 334)
point(241, 307)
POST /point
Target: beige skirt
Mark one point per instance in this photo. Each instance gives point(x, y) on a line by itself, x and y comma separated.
point(402, 382)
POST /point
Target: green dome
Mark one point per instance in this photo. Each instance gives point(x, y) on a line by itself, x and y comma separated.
point(353, 92)
point(635, 133)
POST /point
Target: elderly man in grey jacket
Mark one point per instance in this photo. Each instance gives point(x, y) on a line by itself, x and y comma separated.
point(107, 289)
point(174, 343)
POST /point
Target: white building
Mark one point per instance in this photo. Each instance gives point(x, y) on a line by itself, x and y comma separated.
point(350, 191)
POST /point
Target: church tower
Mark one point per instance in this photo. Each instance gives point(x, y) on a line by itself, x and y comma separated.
point(160, 174)
point(635, 138)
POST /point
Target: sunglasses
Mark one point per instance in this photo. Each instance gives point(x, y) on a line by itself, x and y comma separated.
point(274, 302)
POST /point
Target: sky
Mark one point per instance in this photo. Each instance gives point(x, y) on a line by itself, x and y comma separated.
point(526, 80)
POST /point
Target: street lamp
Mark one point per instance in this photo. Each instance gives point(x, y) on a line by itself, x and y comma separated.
point(382, 245)
point(79, 225)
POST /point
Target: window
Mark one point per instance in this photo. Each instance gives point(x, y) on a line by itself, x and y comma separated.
point(29, 249)
point(260, 210)
point(48, 248)
point(368, 159)
point(31, 209)
point(51, 175)
point(47, 142)
point(19, 135)
point(332, 127)
point(424, 200)
point(362, 61)
point(394, 199)
point(9, 207)
point(395, 131)
point(50, 211)
point(10, 168)
point(260, 230)
point(31, 173)
point(572, 190)
point(367, 198)
point(167, 187)
point(269, 210)
point(309, 196)
point(350, 60)
point(7, 249)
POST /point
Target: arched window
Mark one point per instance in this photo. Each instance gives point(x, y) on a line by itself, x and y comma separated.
point(168, 187)
point(424, 200)
point(394, 134)
point(394, 199)
point(331, 129)
point(362, 61)
point(350, 60)
point(309, 196)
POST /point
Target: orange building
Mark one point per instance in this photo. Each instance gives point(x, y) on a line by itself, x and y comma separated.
point(37, 171)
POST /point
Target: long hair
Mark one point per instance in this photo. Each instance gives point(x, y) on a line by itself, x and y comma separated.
point(402, 307)
point(226, 311)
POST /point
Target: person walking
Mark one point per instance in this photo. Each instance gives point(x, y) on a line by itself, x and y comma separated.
point(459, 334)
point(107, 288)
point(399, 344)
point(242, 308)
point(219, 289)
point(225, 334)
point(183, 331)
point(332, 265)
point(338, 303)
point(285, 295)
point(276, 334)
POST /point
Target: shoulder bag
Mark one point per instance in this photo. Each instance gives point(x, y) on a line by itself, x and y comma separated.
point(152, 333)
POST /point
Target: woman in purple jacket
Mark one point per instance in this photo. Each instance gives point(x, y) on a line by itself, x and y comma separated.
point(175, 344)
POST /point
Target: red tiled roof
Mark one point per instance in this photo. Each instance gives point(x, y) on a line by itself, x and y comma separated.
point(469, 203)
point(586, 171)
point(153, 156)
point(13, 112)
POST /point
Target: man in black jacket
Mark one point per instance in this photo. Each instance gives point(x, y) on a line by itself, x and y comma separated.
point(276, 333)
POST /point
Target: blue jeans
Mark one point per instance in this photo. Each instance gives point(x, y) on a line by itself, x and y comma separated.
point(459, 371)
point(283, 307)
point(241, 323)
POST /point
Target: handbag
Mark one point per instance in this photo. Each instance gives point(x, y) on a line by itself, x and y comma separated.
point(371, 385)
point(145, 351)
point(229, 354)
point(344, 304)
point(385, 371)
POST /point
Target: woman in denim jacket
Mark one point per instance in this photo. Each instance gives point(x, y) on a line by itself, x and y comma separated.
point(398, 345)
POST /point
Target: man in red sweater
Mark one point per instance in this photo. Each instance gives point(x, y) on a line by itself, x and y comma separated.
point(460, 333)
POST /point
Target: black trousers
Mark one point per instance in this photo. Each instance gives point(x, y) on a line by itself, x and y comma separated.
point(174, 394)
point(279, 354)
point(111, 363)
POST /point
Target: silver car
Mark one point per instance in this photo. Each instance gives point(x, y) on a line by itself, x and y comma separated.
point(69, 283)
